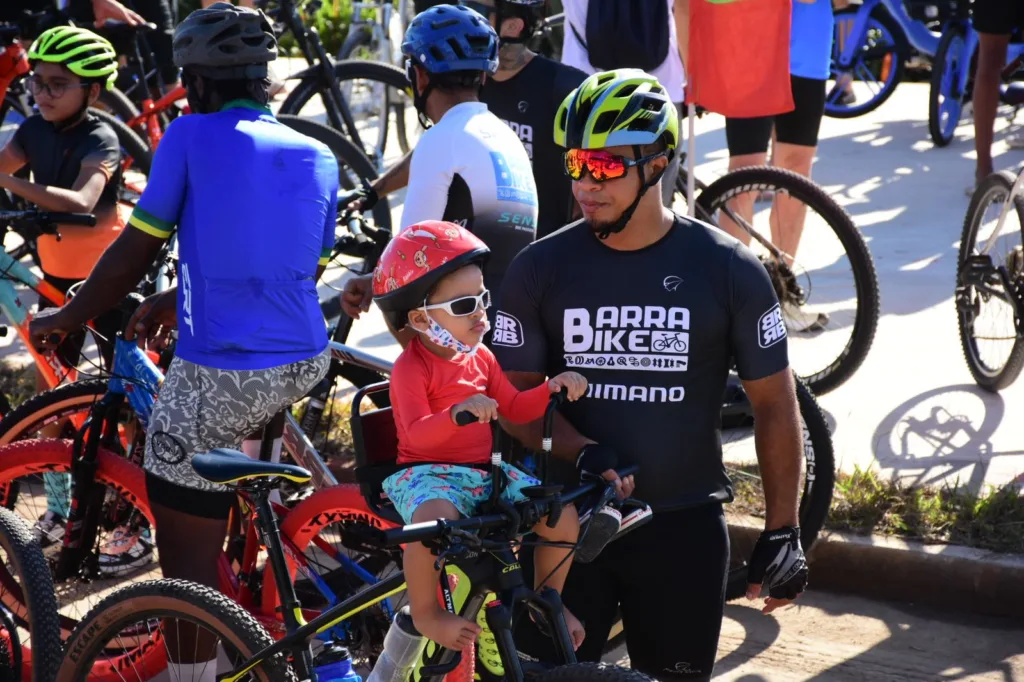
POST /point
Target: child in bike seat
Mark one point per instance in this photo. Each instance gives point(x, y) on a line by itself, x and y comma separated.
point(430, 279)
point(75, 164)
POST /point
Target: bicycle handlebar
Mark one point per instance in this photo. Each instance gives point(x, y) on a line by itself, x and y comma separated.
point(48, 218)
point(433, 530)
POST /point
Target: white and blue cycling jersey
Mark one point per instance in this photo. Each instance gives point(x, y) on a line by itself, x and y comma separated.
point(255, 206)
point(472, 169)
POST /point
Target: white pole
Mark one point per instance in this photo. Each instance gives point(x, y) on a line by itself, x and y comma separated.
point(691, 153)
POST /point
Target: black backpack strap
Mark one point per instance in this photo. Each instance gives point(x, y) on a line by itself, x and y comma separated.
point(579, 37)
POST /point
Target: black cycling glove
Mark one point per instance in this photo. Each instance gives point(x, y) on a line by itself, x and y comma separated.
point(778, 562)
point(596, 459)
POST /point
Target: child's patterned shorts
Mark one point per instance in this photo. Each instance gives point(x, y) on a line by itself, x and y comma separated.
point(465, 487)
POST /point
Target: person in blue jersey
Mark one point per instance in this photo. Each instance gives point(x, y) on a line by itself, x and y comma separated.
point(796, 141)
point(254, 206)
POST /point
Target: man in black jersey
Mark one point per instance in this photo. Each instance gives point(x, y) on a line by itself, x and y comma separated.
point(653, 309)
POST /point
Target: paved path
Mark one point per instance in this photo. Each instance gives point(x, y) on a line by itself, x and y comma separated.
point(829, 637)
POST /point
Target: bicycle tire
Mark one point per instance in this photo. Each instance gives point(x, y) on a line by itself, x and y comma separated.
point(591, 672)
point(165, 598)
point(940, 136)
point(865, 278)
point(26, 419)
point(358, 36)
point(900, 54)
point(987, 378)
point(34, 456)
point(118, 104)
point(348, 156)
point(131, 144)
point(41, 661)
point(818, 484)
point(353, 69)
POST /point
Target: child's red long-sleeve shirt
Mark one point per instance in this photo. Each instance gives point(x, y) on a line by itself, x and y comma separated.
point(425, 387)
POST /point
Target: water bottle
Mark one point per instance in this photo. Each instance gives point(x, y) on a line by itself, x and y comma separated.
point(334, 664)
point(403, 647)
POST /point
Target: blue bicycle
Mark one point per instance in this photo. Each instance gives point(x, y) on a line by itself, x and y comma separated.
point(871, 45)
point(953, 75)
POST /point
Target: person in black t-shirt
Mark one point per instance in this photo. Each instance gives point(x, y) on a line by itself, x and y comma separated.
point(525, 93)
point(101, 10)
point(653, 309)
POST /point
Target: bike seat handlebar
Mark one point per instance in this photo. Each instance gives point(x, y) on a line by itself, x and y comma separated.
point(529, 511)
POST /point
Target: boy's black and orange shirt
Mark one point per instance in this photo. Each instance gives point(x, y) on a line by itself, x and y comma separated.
point(56, 158)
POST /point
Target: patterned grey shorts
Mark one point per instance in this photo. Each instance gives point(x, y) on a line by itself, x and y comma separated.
point(200, 408)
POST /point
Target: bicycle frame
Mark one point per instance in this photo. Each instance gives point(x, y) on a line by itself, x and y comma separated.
point(920, 37)
point(1015, 190)
point(12, 271)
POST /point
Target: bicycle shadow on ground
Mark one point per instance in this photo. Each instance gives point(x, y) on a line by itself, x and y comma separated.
point(906, 642)
point(942, 435)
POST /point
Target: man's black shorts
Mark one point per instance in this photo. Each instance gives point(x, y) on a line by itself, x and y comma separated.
point(668, 577)
point(998, 17)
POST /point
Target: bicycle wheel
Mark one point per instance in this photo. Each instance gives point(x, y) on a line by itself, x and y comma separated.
point(829, 294)
point(27, 595)
point(117, 104)
point(331, 533)
point(981, 291)
point(878, 65)
point(136, 156)
point(124, 505)
point(747, 510)
point(945, 97)
point(381, 83)
point(55, 406)
point(359, 45)
point(352, 164)
point(591, 672)
point(135, 618)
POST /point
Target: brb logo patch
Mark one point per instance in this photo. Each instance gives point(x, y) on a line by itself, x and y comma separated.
point(771, 328)
point(507, 331)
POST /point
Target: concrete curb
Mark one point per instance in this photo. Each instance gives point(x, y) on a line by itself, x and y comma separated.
point(947, 577)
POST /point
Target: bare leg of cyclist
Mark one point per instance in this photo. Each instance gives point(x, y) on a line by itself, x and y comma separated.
point(196, 650)
point(788, 214)
point(434, 622)
point(743, 204)
point(551, 564)
point(991, 59)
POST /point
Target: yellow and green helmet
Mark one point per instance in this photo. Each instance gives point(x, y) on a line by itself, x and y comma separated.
point(84, 53)
point(613, 108)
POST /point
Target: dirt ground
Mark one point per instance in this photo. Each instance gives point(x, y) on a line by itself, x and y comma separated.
point(840, 637)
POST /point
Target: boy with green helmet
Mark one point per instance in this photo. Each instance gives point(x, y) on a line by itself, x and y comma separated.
point(75, 161)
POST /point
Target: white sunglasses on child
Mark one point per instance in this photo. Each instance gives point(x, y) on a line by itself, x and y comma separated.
point(465, 305)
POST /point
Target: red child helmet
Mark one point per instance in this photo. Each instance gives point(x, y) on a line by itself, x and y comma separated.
point(417, 259)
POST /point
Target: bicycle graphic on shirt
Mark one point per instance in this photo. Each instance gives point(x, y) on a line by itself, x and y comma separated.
point(668, 342)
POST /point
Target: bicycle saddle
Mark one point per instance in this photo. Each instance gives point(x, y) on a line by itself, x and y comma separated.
point(226, 466)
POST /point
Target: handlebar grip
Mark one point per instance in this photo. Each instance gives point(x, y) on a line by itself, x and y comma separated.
point(414, 532)
point(465, 418)
point(86, 219)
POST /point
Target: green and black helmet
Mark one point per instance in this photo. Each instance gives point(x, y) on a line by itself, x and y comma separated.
point(85, 54)
point(622, 107)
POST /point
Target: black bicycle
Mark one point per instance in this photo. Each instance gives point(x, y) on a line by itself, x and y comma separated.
point(828, 289)
point(481, 549)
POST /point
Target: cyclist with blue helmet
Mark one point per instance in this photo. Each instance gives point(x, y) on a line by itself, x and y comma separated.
point(468, 167)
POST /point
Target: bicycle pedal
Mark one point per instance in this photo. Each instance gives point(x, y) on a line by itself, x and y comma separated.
point(977, 269)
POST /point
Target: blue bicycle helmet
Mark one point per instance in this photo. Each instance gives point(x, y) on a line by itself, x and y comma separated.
point(448, 38)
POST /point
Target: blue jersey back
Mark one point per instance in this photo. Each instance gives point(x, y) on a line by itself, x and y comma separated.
point(254, 203)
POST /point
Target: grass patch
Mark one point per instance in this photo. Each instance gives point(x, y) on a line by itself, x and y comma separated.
point(863, 502)
point(17, 382)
